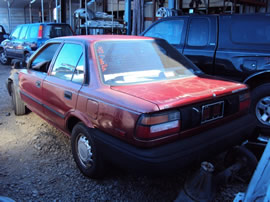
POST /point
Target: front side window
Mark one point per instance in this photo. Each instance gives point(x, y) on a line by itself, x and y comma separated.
point(198, 34)
point(16, 33)
point(69, 63)
point(141, 61)
point(170, 30)
point(42, 61)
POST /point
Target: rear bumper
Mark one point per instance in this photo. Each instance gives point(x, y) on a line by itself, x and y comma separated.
point(179, 154)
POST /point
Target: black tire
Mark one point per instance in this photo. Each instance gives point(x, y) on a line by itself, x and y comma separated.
point(85, 152)
point(18, 105)
point(26, 57)
point(3, 59)
point(260, 106)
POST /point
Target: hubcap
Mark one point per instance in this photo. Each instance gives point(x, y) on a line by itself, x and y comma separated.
point(263, 110)
point(84, 151)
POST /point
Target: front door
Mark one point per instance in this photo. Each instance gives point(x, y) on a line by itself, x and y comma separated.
point(31, 79)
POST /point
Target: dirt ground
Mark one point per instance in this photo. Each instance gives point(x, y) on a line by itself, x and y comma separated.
point(36, 165)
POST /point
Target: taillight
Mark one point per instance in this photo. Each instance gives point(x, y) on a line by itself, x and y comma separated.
point(244, 101)
point(158, 124)
point(40, 29)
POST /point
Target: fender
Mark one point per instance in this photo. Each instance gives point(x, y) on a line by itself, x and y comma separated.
point(256, 74)
point(78, 115)
point(13, 78)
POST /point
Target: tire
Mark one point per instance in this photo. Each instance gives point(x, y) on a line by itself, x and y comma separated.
point(18, 105)
point(3, 59)
point(85, 152)
point(26, 57)
point(260, 106)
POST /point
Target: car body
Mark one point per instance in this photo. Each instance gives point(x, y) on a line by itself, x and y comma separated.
point(132, 100)
point(232, 46)
point(27, 38)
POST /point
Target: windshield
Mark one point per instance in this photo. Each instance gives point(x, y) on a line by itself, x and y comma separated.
point(140, 61)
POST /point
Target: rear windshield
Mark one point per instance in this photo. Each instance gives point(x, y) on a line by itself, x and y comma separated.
point(141, 61)
point(52, 31)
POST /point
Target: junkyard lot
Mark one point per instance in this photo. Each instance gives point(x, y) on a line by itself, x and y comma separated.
point(36, 164)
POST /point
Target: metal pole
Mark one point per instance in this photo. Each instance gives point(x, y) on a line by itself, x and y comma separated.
point(86, 13)
point(70, 13)
point(30, 12)
point(129, 18)
point(56, 10)
point(112, 15)
point(42, 10)
point(9, 24)
point(50, 11)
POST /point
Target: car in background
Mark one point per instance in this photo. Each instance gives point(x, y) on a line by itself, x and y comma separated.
point(231, 46)
point(133, 101)
point(27, 38)
point(3, 33)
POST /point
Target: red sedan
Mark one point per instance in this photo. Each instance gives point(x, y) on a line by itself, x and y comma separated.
point(134, 101)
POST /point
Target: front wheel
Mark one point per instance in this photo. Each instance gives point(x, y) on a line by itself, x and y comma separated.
point(3, 59)
point(18, 105)
point(260, 105)
point(85, 152)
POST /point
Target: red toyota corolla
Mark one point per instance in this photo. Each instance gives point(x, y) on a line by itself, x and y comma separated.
point(134, 101)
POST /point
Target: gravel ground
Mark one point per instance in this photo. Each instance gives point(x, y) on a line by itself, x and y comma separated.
point(36, 164)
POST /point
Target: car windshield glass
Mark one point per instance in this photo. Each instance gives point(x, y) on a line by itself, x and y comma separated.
point(52, 31)
point(140, 61)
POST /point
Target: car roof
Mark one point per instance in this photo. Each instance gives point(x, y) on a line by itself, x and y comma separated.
point(94, 38)
point(46, 23)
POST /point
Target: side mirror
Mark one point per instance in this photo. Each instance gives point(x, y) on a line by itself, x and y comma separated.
point(6, 36)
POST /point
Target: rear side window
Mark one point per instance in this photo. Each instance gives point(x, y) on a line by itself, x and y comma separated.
point(251, 31)
point(198, 34)
point(23, 32)
point(52, 31)
point(170, 30)
point(70, 63)
point(33, 32)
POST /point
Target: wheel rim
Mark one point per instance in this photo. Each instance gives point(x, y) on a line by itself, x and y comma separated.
point(84, 151)
point(263, 110)
point(3, 57)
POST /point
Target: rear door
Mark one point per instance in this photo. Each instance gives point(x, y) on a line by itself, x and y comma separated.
point(201, 42)
point(31, 79)
point(171, 29)
point(62, 85)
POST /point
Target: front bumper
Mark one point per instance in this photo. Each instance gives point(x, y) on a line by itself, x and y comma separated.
point(179, 154)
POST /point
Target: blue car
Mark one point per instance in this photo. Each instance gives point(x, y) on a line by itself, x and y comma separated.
point(26, 38)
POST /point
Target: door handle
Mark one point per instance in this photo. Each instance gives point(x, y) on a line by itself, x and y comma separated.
point(68, 95)
point(38, 84)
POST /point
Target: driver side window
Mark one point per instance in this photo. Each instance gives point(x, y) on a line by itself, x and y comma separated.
point(42, 61)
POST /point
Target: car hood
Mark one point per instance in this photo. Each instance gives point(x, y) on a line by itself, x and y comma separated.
point(168, 94)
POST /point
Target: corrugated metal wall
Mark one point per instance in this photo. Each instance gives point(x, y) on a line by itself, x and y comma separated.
point(17, 16)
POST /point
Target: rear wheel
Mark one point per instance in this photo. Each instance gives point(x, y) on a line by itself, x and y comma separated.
point(3, 59)
point(18, 105)
point(260, 106)
point(85, 151)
